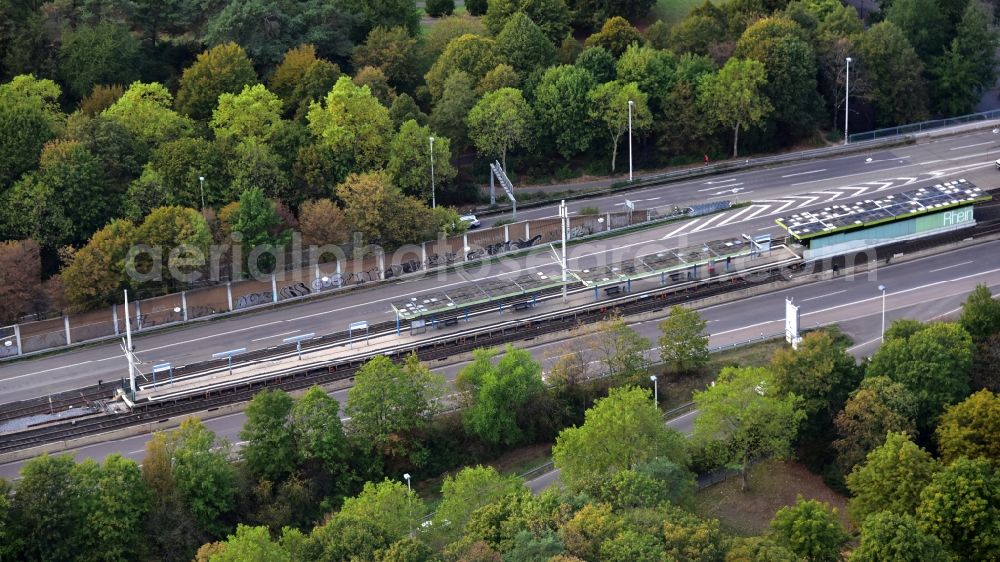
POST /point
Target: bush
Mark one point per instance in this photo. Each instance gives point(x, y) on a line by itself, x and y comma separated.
point(589, 211)
point(438, 8)
point(476, 7)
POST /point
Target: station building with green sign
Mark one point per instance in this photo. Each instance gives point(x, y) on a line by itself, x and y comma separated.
point(860, 225)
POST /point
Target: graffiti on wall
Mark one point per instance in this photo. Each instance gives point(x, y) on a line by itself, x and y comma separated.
point(503, 247)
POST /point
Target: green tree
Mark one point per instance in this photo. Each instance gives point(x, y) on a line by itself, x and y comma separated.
point(734, 97)
point(374, 79)
point(609, 105)
point(686, 131)
point(345, 538)
point(746, 412)
point(498, 393)
point(934, 364)
point(758, 549)
point(633, 546)
point(961, 505)
point(395, 52)
point(301, 79)
point(30, 117)
point(980, 314)
point(407, 549)
point(115, 500)
point(96, 274)
point(379, 211)
point(569, 49)
point(897, 537)
point(619, 432)
point(388, 506)
point(879, 406)
point(890, 479)
point(390, 403)
point(473, 54)
point(174, 168)
point(270, 450)
point(561, 107)
point(616, 35)
point(651, 69)
point(552, 16)
point(120, 152)
point(220, 70)
point(410, 161)
point(437, 36)
point(469, 490)
point(322, 222)
point(968, 65)
point(438, 8)
point(524, 45)
point(318, 431)
point(500, 122)
point(892, 72)
point(696, 34)
point(689, 537)
point(252, 113)
point(250, 543)
point(970, 428)
point(45, 509)
point(352, 121)
point(924, 24)
point(683, 343)
point(181, 236)
point(811, 530)
point(144, 110)
point(598, 62)
point(171, 529)
point(100, 54)
point(789, 62)
point(450, 111)
point(404, 109)
point(503, 76)
point(620, 350)
point(205, 479)
point(658, 35)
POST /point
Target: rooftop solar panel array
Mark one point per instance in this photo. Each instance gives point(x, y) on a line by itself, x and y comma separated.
point(858, 214)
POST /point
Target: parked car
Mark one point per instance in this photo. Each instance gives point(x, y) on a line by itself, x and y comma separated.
point(471, 220)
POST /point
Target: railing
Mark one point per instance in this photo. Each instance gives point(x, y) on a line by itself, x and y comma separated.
point(922, 126)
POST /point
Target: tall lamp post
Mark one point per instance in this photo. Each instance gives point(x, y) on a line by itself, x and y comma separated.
point(656, 391)
point(201, 187)
point(409, 516)
point(630, 104)
point(433, 197)
point(883, 288)
point(847, 95)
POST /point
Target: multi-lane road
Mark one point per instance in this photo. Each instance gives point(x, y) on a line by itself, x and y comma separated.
point(774, 192)
point(924, 288)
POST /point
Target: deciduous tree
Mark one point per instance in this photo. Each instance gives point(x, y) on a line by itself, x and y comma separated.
point(892, 72)
point(45, 509)
point(970, 428)
point(561, 107)
point(30, 117)
point(145, 110)
point(354, 122)
point(389, 404)
point(270, 450)
point(301, 79)
point(616, 35)
point(205, 479)
point(501, 122)
point(811, 530)
point(252, 113)
point(498, 392)
point(524, 45)
point(879, 406)
point(747, 413)
point(620, 432)
point(222, 69)
point(410, 161)
point(598, 62)
point(961, 505)
point(379, 211)
point(968, 65)
point(473, 54)
point(114, 500)
point(890, 479)
point(469, 490)
point(96, 274)
point(981, 314)
point(322, 222)
point(100, 54)
point(20, 278)
point(388, 506)
point(395, 52)
point(897, 537)
point(683, 342)
point(450, 111)
point(609, 105)
point(552, 16)
point(734, 97)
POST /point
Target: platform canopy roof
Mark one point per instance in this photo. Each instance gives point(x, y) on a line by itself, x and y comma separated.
point(871, 212)
point(477, 293)
point(666, 261)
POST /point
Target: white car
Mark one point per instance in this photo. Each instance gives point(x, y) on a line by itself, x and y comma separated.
point(998, 164)
point(471, 220)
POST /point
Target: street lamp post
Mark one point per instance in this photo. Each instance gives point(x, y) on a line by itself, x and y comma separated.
point(630, 104)
point(996, 131)
point(883, 288)
point(409, 516)
point(201, 187)
point(847, 95)
point(656, 391)
point(433, 197)
point(564, 227)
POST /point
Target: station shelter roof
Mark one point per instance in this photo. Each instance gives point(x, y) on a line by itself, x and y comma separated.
point(476, 293)
point(870, 212)
point(665, 261)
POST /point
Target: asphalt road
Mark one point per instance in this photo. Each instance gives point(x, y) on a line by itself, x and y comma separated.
point(775, 192)
point(925, 288)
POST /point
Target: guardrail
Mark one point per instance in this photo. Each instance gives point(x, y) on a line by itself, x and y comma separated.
point(922, 126)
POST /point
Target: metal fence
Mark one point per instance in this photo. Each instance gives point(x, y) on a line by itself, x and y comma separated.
point(914, 128)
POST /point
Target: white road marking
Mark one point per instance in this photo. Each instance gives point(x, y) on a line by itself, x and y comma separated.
point(734, 216)
point(971, 145)
point(708, 222)
point(824, 296)
point(276, 335)
point(718, 186)
point(804, 173)
point(720, 181)
point(730, 194)
point(950, 266)
point(682, 227)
